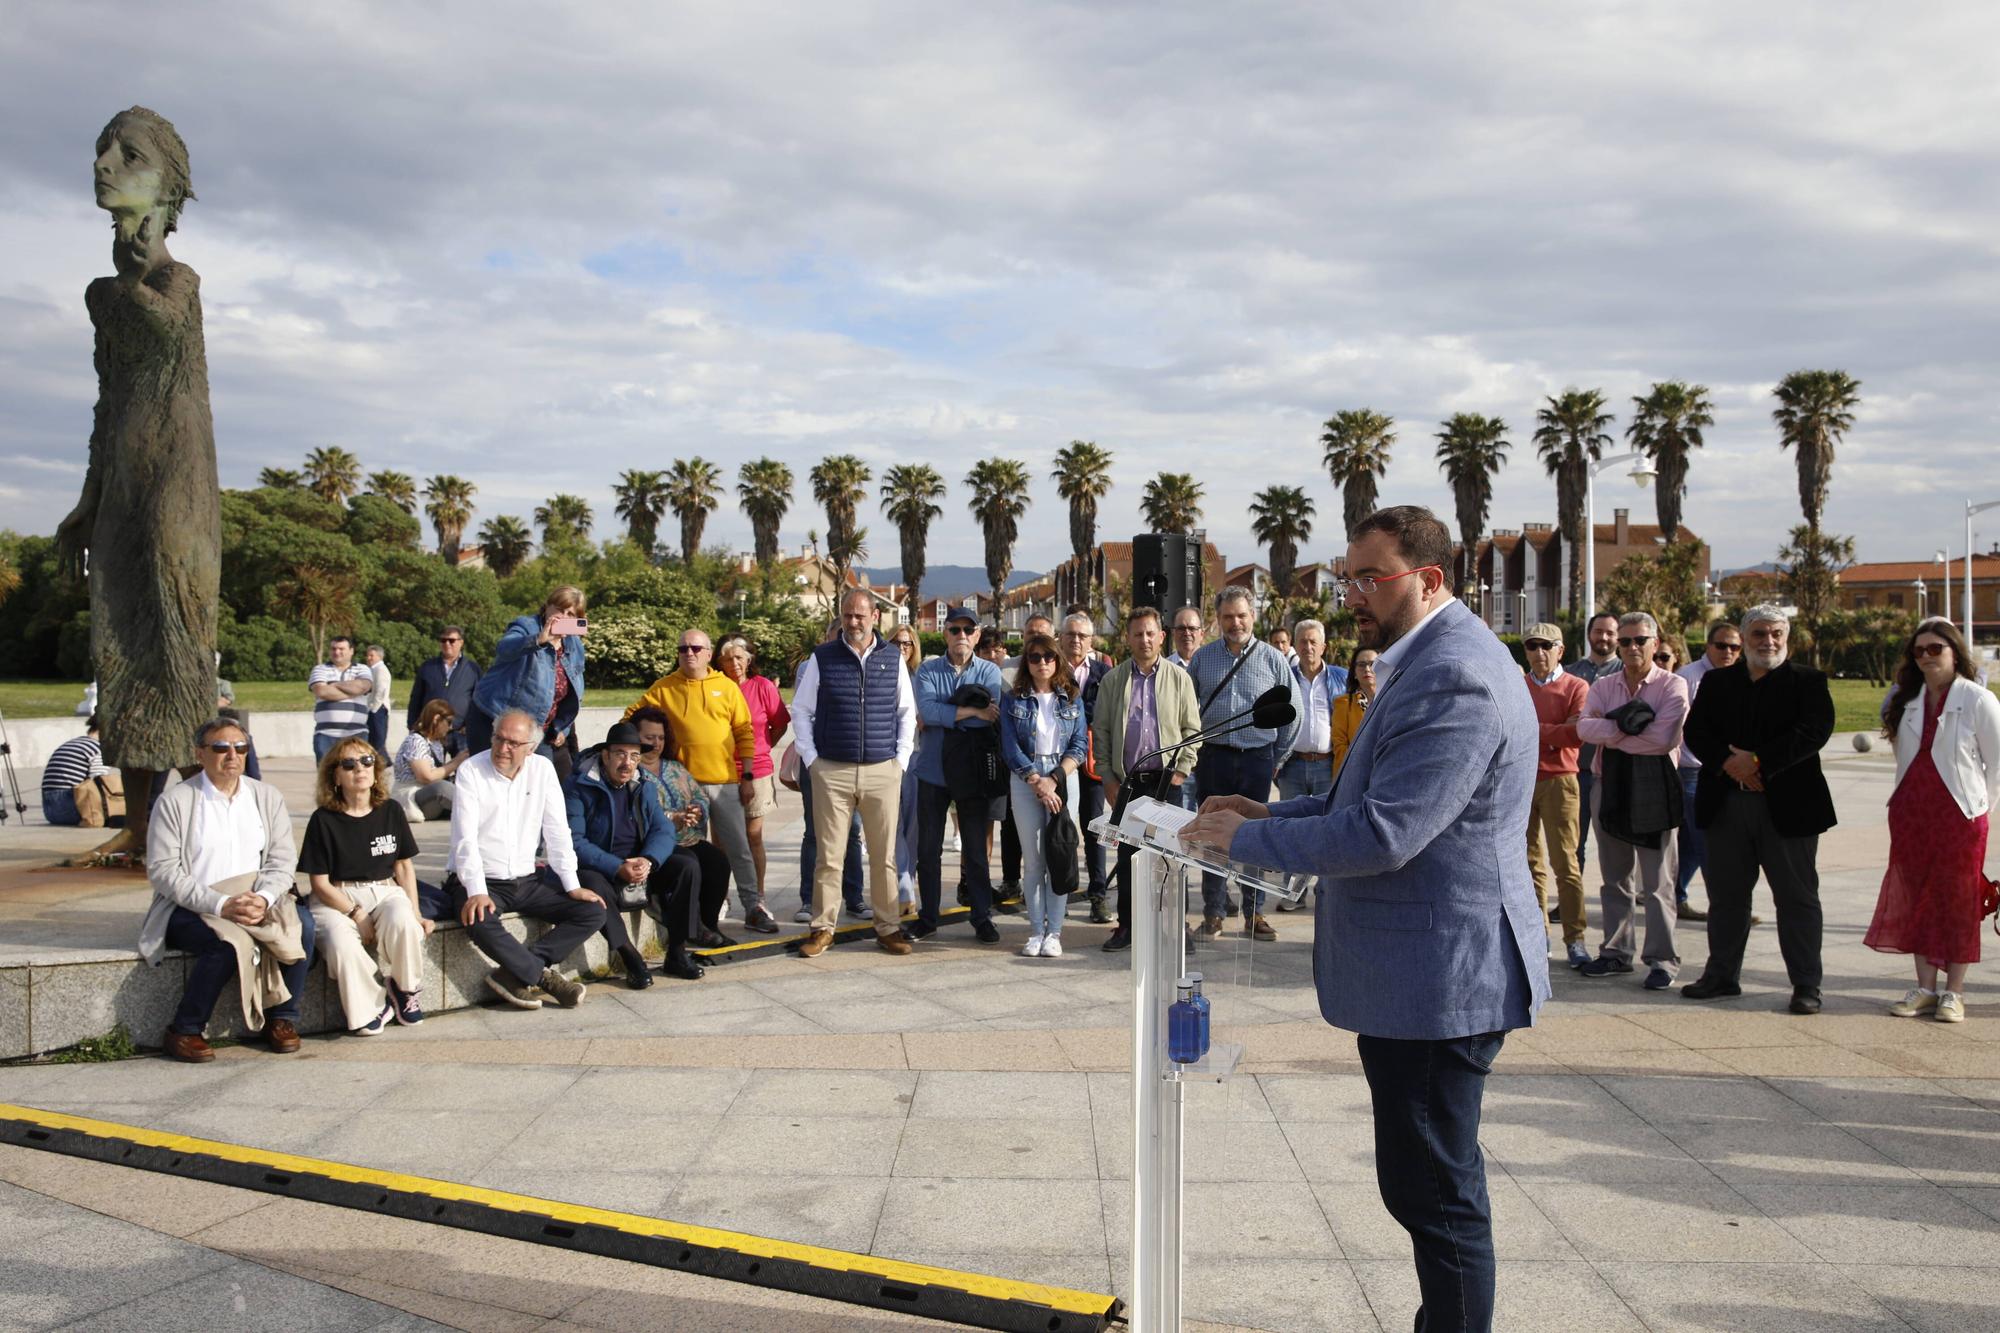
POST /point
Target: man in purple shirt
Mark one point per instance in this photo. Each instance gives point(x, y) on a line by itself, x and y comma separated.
point(1635, 801)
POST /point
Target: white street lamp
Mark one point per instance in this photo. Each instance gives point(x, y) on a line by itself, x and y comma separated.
point(1970, 510)
point(1484, 588)
point(1521, 627)
point(1642, 474)
point(1922, 605)
point(1944, 558)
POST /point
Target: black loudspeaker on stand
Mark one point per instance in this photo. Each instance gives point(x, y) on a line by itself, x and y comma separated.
point(1166, 571)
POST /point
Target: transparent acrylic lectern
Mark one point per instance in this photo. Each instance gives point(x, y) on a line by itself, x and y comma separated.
point(1162, 873)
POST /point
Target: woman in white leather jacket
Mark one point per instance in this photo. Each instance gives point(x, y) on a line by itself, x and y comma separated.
point(1946, 729)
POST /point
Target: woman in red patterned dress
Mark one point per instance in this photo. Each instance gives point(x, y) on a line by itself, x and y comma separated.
point(1946, 729)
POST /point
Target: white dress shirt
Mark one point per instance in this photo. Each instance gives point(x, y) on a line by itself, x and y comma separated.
point(495, 824)
point(1316, 711)
point(228, 836)
point(805, 705)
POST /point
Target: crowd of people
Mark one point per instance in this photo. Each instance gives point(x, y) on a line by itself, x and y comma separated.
point(1709, 767)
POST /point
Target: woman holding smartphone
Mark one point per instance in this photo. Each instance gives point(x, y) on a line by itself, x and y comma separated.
point(537, 667)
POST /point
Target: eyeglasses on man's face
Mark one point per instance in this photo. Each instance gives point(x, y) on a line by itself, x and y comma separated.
point(511, 743)
point(1726, 645)
point(1364, 585)
point(1537, 645)
point(229, 747)
point(1634, 641)
point(961, 629)
point(693, 648)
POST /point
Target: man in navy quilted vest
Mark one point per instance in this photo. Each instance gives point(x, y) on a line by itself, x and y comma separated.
point(854, 722)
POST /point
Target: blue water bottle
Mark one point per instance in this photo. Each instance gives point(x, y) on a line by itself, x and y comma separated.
point(1184, 1045)
point(1201, 1010)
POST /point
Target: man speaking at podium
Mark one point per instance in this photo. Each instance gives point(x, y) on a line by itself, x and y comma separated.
point(1428, 942)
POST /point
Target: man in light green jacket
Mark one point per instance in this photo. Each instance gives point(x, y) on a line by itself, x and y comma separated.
point(1144, 703)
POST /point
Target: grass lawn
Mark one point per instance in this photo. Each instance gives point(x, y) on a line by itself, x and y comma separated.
point(59, 698)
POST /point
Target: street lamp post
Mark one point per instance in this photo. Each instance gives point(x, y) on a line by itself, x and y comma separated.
point(1944, 558)
point(1484, 588)
point(1521, 621)
point(1970, 510)
point(1922, 605)
point(1642, 473)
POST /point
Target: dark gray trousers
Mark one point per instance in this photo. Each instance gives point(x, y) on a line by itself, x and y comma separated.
point(1741, 843)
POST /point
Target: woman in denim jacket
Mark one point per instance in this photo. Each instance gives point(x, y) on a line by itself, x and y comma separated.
point(539, 673)
point(1043, 737)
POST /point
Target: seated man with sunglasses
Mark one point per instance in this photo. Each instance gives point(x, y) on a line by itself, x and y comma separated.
point(220, 856)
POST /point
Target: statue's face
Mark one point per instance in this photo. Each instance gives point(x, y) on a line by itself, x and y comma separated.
point(127, 175)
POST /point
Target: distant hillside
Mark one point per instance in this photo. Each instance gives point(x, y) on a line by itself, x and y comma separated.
point(948, 581)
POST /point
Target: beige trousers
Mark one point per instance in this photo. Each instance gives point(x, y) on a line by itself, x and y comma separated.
point(399, 949)
point(876, 790)
point(1552, 835)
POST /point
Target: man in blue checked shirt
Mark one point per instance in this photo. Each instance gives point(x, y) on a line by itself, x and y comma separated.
point(1229, 674)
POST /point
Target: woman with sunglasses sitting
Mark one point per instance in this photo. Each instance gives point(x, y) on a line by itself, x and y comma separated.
point(1043, 737)
point(358, 852)
point(1946, 730)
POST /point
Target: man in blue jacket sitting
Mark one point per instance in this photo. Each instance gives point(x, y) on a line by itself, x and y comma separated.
point(624, 835)
point(938, 683)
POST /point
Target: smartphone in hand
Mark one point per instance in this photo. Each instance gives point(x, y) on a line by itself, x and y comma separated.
point(564, 625)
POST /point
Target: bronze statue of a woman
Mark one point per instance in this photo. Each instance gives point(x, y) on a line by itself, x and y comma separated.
point(151, 512)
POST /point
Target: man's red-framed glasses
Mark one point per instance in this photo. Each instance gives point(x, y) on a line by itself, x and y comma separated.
point(1366, 585)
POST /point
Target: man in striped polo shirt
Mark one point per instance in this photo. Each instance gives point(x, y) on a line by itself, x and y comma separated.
point(340, 686)
point(73, 763)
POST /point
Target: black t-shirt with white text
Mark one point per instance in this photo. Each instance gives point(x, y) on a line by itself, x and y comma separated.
point(356, 849)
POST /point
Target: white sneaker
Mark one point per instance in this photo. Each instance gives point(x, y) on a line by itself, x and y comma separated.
point(1033, 948)
point(1915, 1003)
point(1287, 905)
point(1951, 1007)
point(957, 841)
point(1052, 947)
point(906, 887)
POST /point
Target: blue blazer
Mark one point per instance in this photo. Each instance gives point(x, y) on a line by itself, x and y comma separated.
point(523, 675)
point(1426, 926)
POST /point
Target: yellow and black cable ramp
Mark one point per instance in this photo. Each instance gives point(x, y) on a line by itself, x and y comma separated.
point(858, 1279)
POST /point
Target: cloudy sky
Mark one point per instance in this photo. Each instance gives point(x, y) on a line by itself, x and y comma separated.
point(535, 249)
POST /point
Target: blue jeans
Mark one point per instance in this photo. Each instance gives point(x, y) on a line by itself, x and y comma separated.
point(850, 869)
point(906, 831)
point(59, 806)
point(1305, 777)
point(1694, 846)
point(1190, 794)
point(1427, 1097)
point(934, 805)
point(214, 967)
point(1225, 771)
point(1045, 909)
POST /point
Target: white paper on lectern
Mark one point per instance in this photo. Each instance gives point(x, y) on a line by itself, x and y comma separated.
point(1145, 816)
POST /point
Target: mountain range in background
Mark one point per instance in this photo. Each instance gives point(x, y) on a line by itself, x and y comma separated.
point(950, 582)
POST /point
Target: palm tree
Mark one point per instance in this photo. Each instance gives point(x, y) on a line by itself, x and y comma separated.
point(1357, 444)
point(1471, 448)
point(1281, 518)
point(910, 492)
point(999, 497)
point(1171, 502)
point(505, 542)
point(398, 488)
point(281, 479)
point(450, 509)
point(840, 483)
point(764, 491)
point(1570, 435)
point(332, 473)
point(1815, 409)
point(1666, 423)
point(694, 491)
point(564, 518)
point(642, 500)
point(1082, 476)
point(319, 596)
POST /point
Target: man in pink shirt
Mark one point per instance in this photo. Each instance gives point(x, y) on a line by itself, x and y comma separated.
point(1552, 819)
point(1634, 717)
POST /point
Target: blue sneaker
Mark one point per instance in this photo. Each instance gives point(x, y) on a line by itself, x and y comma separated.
point(1657, 979)
point(1579, 954)
point(374, 1026)
point(1604, 965)
point(405, 1007)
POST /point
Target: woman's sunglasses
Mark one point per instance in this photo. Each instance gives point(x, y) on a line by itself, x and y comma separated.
point(1035, 658)
point(1664, 659)
point(354, 761)
point(1928, 649)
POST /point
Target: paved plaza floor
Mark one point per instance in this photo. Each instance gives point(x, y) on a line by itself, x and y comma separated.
point(1655, 1163)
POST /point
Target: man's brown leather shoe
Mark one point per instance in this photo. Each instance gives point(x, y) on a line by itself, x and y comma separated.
point(898, 943)
point(283, 1037)
point(190, 1047)
point(815, 944)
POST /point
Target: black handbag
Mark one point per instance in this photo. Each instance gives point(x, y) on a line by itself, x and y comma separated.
point(1059, 844)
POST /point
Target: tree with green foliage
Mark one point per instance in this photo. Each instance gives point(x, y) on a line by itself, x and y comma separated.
point(910, 492)
point(1666, 424)
point(505, 542)
point(1572, 430)
point(10, 577)
point(320, 597)
point(564, 519)
point(1471, 450)
point(449, 509)
point(281, 479)
point(1355, 447)
point(1669, 584)
point(840, 483)
point(1810, 564)
point(694, 491)
point(999, 489)
point(1281, 518)
point(398, 488)
point(332, 473)
point(1171, 503)
point(1083, 477)
point(764, 493)
point(1815, 411)
point(642, 503)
